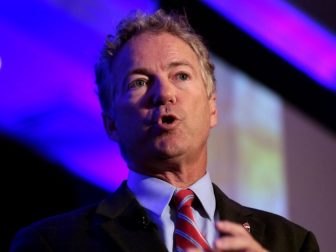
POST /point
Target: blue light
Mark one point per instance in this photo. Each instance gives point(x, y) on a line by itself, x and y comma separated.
point(288, 32)
point(47, 92)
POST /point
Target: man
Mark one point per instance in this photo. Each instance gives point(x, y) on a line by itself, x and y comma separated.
point(157, 90)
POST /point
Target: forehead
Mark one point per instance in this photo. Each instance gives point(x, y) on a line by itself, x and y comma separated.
point(149, 50)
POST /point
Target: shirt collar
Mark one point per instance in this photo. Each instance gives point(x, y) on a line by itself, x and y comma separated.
point(152, 193)
point(155, 194)
point(204, 191)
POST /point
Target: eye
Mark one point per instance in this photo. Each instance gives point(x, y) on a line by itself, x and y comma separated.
point(183, 76)
point(137, 84)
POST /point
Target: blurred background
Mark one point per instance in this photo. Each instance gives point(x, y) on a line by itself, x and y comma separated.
point(273, 149)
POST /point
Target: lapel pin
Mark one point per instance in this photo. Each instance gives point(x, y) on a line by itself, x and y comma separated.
point(247, 227)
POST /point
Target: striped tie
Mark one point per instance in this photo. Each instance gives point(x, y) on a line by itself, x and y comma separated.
point(186, 233)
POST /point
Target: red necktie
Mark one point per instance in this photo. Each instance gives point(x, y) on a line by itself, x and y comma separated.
point(186, 233)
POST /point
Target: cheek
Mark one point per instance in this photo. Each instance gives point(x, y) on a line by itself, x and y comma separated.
point(205, 114)
point(123, 113)
point(199, 115)
point(128, 116)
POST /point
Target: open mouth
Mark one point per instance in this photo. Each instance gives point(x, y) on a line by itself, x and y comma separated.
point(168, 122)
point(168, 119)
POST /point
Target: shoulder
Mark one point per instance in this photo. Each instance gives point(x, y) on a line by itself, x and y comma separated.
point(274, 222)
point(61, 231)
point(280, 233)
point(273, 231)
point(64, 221)
point(230, 209)
point(80, 215)
point(42, 234)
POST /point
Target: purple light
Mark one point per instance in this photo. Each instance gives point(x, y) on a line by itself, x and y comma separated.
point(47, 93)
point(288, 32)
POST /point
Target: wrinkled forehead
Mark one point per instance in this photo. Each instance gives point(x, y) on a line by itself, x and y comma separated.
point(149, 50)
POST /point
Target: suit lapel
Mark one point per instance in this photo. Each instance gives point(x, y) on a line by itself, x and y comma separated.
point(232, 211)
point(127, 223)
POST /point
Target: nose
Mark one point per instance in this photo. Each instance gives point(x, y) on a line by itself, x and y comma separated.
point(163, 92)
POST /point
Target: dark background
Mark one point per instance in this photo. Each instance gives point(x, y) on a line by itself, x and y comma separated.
point(26, 173)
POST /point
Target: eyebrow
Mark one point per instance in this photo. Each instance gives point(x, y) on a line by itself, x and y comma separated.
point(170, 65)
point(140, 70)
point(180, 63)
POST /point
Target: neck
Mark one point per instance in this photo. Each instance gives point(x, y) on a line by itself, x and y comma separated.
point(180, 179)
point(178, 172)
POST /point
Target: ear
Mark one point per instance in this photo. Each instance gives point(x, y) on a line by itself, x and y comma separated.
point(213, 110)
point(110, 127)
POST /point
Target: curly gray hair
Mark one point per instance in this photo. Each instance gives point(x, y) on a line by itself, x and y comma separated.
point(138, 23)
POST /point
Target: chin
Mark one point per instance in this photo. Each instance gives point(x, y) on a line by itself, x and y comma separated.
point(168, 151)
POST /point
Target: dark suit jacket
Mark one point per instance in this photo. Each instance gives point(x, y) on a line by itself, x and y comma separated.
point(119, 223)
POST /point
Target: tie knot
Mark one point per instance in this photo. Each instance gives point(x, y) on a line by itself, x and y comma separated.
point(183, 198)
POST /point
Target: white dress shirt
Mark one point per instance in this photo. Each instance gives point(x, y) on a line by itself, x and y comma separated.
point(155, 196)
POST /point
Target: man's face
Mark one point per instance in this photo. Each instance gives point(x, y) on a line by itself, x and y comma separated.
point(161, 109)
